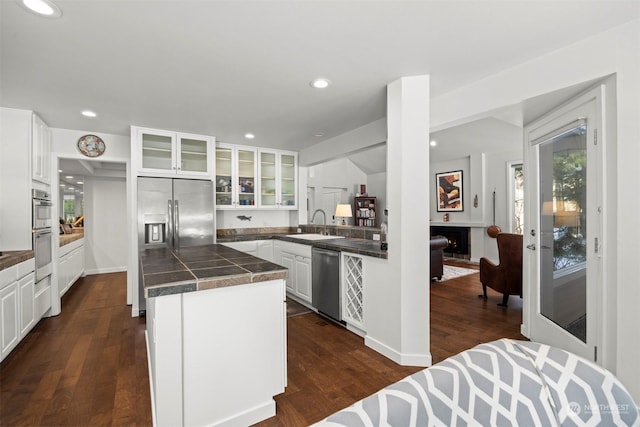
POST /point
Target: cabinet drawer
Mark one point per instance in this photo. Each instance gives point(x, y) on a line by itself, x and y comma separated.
point(43, 301)
point(8, 276)
point(296, 248)
point(26, 267)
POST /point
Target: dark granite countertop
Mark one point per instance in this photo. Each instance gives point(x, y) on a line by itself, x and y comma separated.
point(197, 268)
point(359, 246)
point(11, 258)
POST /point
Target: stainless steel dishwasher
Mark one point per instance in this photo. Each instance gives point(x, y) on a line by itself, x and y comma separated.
point(325, 280)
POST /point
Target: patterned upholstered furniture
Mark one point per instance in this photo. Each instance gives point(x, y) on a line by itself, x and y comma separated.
point(506, 277)
point(501, 383)
point(437, 244)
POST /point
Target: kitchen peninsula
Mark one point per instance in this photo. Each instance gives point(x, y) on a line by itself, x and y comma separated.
point(216, 335)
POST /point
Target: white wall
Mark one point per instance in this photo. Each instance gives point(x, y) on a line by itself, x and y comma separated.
point(259, 218)
point(358, 139)
point(335, 174)
point(614, 52)
point(105, 222)
point(64, 145)
point(377, 186)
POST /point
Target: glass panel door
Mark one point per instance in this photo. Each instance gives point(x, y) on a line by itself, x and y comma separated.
point(224, 185)
point(563, 231)
point(563, 228)
point(268, 179)
point(193, 155)
point(157, 152)
point(246, 177)
point(288, 180)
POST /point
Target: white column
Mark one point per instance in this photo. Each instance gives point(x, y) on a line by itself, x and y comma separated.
point(408, 193)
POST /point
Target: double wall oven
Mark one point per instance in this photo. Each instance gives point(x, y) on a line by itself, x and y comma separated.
point(42, 233)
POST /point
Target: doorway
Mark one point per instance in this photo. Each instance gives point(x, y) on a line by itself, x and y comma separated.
point(563, 186)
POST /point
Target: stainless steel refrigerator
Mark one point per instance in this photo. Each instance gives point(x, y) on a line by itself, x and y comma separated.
point(173, 213)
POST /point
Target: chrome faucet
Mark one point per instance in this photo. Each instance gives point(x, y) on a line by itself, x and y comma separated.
point(324, 216)
point(324, 219)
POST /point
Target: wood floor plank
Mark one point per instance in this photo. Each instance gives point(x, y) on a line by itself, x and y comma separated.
point(88, 366)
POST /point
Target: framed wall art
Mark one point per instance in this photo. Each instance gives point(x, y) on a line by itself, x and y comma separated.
point(450, 192)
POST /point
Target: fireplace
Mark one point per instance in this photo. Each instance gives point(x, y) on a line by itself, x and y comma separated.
point(458, 238)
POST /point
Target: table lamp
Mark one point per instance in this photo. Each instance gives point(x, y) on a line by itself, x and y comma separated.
point(343, 211)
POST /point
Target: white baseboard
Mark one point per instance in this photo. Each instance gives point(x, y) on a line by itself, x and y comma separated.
point(399, 358)
point(105, 270)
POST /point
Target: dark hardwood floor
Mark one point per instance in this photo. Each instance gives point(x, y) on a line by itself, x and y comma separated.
point(88, 366)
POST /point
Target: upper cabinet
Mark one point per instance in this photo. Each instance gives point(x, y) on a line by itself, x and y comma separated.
point(167, 153)
point(278, 172)
point(41, 151)
point(25, 144)
point(236, 171)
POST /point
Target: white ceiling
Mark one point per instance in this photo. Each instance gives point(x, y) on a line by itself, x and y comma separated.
point(224, 68)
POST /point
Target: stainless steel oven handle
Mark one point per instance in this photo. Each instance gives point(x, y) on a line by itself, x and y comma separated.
point(41, 233)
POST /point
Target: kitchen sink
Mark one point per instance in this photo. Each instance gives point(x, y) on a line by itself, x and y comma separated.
point(312, 236)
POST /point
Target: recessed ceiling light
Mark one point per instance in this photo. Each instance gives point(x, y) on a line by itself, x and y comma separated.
point(249, 135)
point(69, 177)
point(320, 83)
point(42, 7)
point(59, 170)
point(79, 182)
point(433, 143)
point(61, 185)
point(318, 134)
point(89, 113)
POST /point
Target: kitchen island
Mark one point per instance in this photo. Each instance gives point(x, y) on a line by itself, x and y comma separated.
point(216, 335)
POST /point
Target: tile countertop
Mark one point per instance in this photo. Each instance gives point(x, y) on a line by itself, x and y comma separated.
point(359, 246)
point(197, 268)
point(11, 258)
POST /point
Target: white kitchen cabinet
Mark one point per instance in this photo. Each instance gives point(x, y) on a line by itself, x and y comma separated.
point(10, 318)
point(278, 173)
point(71, 265)
point(41, 151)
point(17, 305)
point(297, 258)
point(303, 277)
point(249, 247)
point(17, 175)
point(260, 248)
point(265, 249)
point(172, 154)
point(227, 372)
point(289, 261)
point(26, 287)
point(236, 171)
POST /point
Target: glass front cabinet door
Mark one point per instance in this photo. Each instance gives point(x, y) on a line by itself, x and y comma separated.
point(236, 171)
point(166, 153)
point(278, 179)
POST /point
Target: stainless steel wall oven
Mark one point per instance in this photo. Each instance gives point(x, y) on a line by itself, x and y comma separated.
point(42, 233)
point(42, 206)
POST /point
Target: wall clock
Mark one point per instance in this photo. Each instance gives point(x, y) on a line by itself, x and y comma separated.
point(91, 145)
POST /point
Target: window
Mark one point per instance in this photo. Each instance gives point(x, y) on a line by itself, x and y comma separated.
point(516, 197)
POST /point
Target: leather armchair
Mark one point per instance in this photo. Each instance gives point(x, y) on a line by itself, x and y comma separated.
point(506, 277)
point(436, 246)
